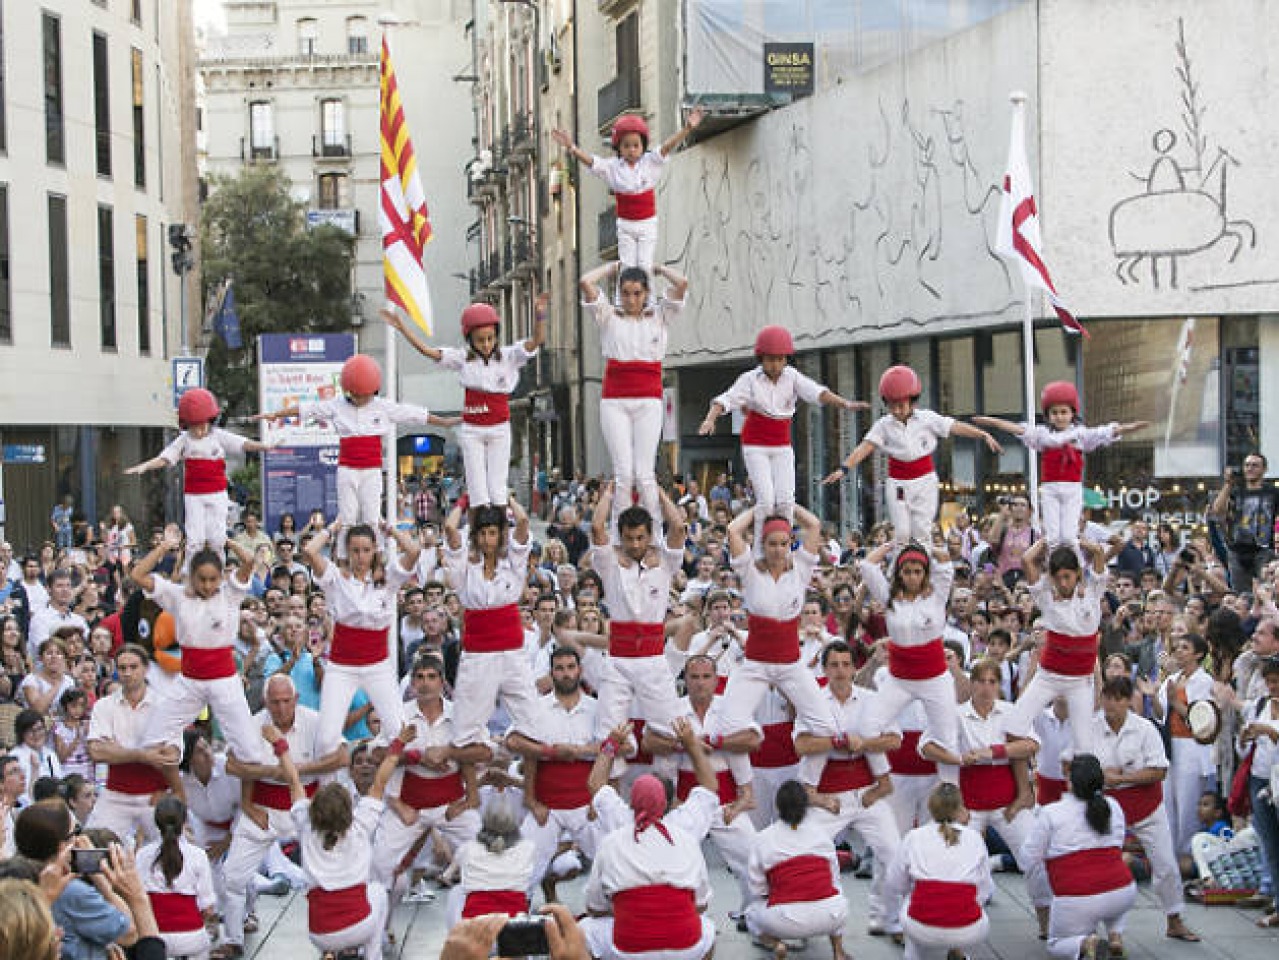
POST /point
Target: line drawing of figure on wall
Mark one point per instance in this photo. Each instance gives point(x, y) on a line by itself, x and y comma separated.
point(1183, 209)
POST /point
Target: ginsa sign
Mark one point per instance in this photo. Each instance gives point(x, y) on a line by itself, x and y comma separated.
point(790, 59)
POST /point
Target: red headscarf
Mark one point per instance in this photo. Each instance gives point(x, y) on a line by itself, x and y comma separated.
point(648, 801)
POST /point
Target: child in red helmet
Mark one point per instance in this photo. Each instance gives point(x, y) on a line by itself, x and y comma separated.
point(204, 448)
point(908, 434)
point(488, 373)
point(1061, 444)
point(769, 395)
point(362, 419)
point(632, 176)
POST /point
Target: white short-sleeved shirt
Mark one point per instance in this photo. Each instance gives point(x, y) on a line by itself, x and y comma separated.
point(114, 720)
point(848, 718)
point(925, 855)
point(1137, 745)
point(362, 603)
point(779, 842)
point(501, 374)
point(1038, 436)
point(1078, 616)
point(912, 623)
point(303, 737)
point(194, 880)
point(754, 390)
point(203, 624)
point(374, 419)
point(977, 732)
point(624, 177)
point(215, 802)
point(624, 862)
point(34, 683)
point(46, 620)
point(561, 724)
point(636, 593)
point(511, 869)
point(781, 598)
point(350, 861)
point(915, 438)
point(709, 726)
point(634, 338)
point(217, 444)
point(437, 733)
point(1062, 827)
point(474, 591)
point(1054, 743)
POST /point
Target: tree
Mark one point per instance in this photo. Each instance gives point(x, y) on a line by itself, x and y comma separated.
point(288, 278)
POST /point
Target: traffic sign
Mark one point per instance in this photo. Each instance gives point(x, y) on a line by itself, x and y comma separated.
point(188, 373)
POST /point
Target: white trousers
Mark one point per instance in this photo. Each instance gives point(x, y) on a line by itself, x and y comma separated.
point(909, 799)
point(1183, 787)
point(359, 495)
point(341, 682)
point(395, 838)
point(925, 942)
point(1071, 920)
point(772, 474)
point(125, 815)
point(766, 782)
point(249, 846)
point(637, 243)
point(481, 679)
point(577, 825)
point(486, 458)
point(648, 682)
point(912, 508)
point(632, 429)
point(599, 939)
point(941, 713)
point(225, 698)
point(193, 944)
point(1013, 833)
point(367, 933)
point(1060, 505)
point(1045, 687)
point(798, 921)
point(878, 828)
point(206, 519)
point(748, 684)
point(1155, 836)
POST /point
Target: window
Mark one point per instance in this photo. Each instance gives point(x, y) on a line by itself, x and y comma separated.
point(101, 105)
point(357, 35)
point(144, 285)
point(333, 191)
point(106, 277)
point(139, 121)
point(6, 302)
point(333, 128)
point(55, 147)
point(136, 13)
point(261, 131)
point(59, 285)
point(308, 37)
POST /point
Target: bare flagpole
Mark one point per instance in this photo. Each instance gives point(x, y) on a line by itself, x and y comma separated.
point(1018, 99)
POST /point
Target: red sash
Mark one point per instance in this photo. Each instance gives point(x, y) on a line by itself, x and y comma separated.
point(657, 917)
point(362, 453)
point(484, 409)
point(923, 662)
point(480, 902)
point(631, 638)
point(358, 646)
point(803, 879)
point(275, 796)
point(1061, 465)
point(906, 761)
point(761, 430)
point(1088, 872)
point(427, 793)
point(944, 903)
point(561, 784)
point(637, 731)
point(223, 825)
point(204, 476)
point(772, 641)
point(176, 912)
point(493, 630)
point(207, 663)
point(721, 684)
point(329, 911)
point(726, 789)
point(987, 786)
point(1138, 803)
point(632, 380)
point(135, 779)
point(778, 747)
point(636, 206)
point(1048, 789)
point(840, 776)
point(1069, 656)
point(910, 469)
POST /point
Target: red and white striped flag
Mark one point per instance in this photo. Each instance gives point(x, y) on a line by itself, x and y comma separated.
point(406, 225)
point(1018, 237)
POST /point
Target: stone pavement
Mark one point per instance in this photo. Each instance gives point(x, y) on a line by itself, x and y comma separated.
point(1228, 932)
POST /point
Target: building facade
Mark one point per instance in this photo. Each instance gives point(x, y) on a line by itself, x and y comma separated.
point(97, 141)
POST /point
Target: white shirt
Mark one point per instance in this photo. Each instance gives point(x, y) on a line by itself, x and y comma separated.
point(214, 802)
point(361, 602)
point(1077, 616)
point(1267, 753)
point(709, 726)
point(634, 338)
point(976, 731)
point(1054, 742)
point(466, 578)
point(779, 842)
point(194, 880)
point(695, 814)
point(624, 862)
point(571, 725)
point(36, 764)
point(912, 623)
point(1062, 827)
point(37, 596)
point(215, 445)
point(725, 650)
point(754, 390)
point(636, 593)
point(374, 419)
point(501, 374)
point(1137, 745)
point(350, 861)
point(511, 869)
point(428, 561)
point(34, 683)
point(847, 717)
point(1198, 687)
point(1038, 436)
point(115, 720)
point(204, 624)
point(915, 438)
point(924, 855)
point(781, 598)
point(46, 620)
point(624, 177)
point(303, 737)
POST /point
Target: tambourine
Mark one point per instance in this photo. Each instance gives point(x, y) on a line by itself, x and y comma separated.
point(1204, 719)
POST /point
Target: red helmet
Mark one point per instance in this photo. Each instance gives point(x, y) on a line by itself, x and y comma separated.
point(361, 376)
point(197, 406)
point(1059, 392)
point(900, 383)
point(479, 315)
point(774, 342)
point(629, 123)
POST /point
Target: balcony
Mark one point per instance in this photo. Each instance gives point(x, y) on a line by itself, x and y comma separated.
point(260, 152)
point(607, 233)
point(524, 258)
point(523, 144)
point(620, 94)
point(330, 146)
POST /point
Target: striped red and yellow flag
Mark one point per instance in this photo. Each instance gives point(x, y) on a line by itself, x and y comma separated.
point(406, 225)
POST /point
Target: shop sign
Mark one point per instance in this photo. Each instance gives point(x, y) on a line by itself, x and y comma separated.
point(788, 69)
point(1146, 503)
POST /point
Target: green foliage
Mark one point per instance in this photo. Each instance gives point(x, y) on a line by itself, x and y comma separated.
point(288, 279)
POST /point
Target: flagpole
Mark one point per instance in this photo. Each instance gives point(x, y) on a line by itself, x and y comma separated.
point(1018, 99)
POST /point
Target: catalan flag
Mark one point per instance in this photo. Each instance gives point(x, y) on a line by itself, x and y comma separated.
point(406, 226)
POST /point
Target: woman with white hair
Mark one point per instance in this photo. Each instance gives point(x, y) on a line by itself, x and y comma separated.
point(496, 868)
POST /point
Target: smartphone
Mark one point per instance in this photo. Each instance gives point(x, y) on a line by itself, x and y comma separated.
point(523, 936)
point(87, 862)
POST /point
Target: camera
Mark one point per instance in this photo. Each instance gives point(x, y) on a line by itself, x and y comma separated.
point(523, 936)
point(87, 862)
point(1188, 556)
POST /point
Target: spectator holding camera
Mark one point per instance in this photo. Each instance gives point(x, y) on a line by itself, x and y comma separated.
point(1246, 509)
